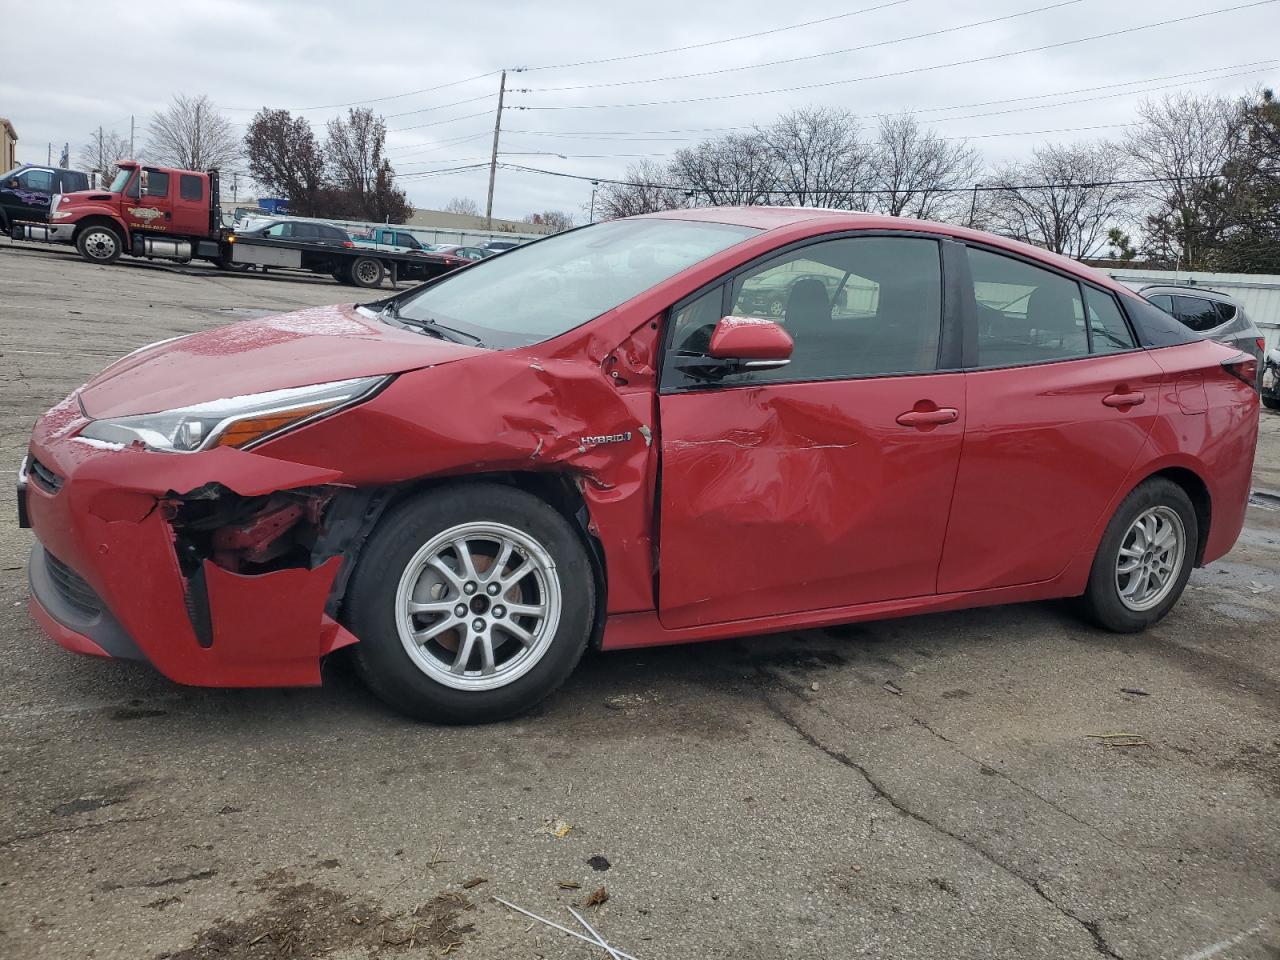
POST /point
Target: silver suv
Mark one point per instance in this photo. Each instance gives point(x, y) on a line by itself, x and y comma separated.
point(1210, 313)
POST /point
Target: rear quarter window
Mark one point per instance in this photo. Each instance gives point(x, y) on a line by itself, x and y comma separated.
point(191, 187)
point(1153, 326)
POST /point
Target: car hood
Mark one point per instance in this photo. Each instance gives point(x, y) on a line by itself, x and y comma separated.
point(316, 345)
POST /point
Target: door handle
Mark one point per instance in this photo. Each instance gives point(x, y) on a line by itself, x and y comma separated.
point(929, 418)
point(1122, 400)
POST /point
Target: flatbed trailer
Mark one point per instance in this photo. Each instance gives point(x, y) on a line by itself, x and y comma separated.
point(359, 266)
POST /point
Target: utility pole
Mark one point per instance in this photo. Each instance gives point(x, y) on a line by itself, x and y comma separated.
point(131, 136)
point(591, 217)
point(235, 181)
point(973, 202)
point(48, 156)
point(493, 158)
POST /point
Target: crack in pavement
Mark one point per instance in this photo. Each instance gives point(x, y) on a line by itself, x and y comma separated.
point(96, 825)
point(1091, 927)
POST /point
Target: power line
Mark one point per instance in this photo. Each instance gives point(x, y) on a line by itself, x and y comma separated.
point(713, 43)
point(356, 103)
point(811, 56)
point(868, 191)
point(437, 123)
point(443, 106)
point(908, 71)
point(416, 148)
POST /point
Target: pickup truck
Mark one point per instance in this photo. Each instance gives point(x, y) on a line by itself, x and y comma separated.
point(391, 240)
point(166, 213)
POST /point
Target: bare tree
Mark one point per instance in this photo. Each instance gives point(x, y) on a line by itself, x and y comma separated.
point(918, 172)
point(285, 159)
point(1062, 199)
point(192, 135)
point(556, 220)
point(358, 169)
point(1191, 145)
point(737, 169)
point(464, 206)
point(647, 189)
point(103, 151)
point(818, 158)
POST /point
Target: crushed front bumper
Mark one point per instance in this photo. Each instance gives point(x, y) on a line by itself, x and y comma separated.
point(106, 578)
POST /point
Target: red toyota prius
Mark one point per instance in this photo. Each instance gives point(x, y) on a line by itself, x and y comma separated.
point(686, 426)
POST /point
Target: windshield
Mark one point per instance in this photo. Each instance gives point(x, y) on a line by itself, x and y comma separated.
point(122, 178)
point(541, 290)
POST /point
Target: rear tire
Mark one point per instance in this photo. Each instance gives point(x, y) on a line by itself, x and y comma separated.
point(1144, 560)
point(100, 244)
point(1271, 403)
point(524, 620)
point(366, 272)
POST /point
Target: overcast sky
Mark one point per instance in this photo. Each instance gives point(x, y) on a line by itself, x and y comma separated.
point(108, 60)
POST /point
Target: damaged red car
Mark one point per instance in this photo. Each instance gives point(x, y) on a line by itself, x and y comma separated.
point(685, 426)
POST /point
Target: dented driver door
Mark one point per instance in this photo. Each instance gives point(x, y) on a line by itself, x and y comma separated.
point(827, 482)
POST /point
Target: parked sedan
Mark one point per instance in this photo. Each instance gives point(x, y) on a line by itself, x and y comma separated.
point(1209, 313)
point(591, 440)
point(302, 231)
point(462, 252)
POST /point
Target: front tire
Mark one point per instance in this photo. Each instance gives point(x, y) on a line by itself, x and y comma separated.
point(99, 244)
point(1145, 558)
point(472, 603)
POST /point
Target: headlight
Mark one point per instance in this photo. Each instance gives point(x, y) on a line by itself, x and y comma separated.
point(240, 422)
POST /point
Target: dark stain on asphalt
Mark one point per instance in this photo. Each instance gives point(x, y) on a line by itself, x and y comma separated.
point(308, 920)
point(599, 863)
point(137, 713)
point(84, 805)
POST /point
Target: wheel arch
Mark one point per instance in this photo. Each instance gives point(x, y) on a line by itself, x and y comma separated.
point(558, 489)
point(102, 220)
point(1197, 491)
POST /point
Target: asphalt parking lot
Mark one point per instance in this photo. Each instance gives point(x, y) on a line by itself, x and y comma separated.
point(936, 787)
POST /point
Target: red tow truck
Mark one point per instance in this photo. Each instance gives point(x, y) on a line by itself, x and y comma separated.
point(164, 213)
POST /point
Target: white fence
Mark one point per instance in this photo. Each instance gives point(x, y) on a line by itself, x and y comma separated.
point(1257, 293)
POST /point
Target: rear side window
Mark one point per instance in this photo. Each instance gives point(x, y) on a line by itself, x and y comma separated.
point(72, 181)
point(1025, 314)
point(191, 187)
point(333, 233)
point(305, 231)
point(1226, 312)
point(1108, 333)
point(1195, 312)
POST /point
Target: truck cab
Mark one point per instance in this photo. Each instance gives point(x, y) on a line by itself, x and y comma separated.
point(146, 210)
point(391, 240)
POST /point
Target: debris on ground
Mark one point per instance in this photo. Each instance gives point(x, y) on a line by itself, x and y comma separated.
point(559, 828)
point(599, 897)
point(1120, 739)
point(893, 688)
point(594, 940)
point(599, 863)
point(473, 883)
point(569, 885)
point(1136, 691)
point(814, 686)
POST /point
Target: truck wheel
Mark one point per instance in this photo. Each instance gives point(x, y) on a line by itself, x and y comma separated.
point(472, 603)
point(1271, 403)
point(99, 244)
point(366, 272)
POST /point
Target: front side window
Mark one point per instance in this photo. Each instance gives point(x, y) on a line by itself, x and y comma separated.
point(279, 230)
point(1108, 333)
point(37, 181)
point(408, 240)
point(855, 307)
point(156, 182)
point(543, 289)
point(190, 187)
point(1196, 312)
point(1026, 314)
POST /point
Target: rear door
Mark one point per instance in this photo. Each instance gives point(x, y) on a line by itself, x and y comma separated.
point(827, 482)
point(191, 205)
point(1057, 413)
point(153, 209)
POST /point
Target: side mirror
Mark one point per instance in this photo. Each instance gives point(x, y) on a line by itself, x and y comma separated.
point(753, 343)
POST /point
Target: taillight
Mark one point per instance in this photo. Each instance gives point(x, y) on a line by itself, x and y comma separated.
point(1244, 368)
point(1262, 344)
point(347, 243)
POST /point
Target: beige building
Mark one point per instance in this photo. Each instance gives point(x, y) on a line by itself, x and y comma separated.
point(8, 145)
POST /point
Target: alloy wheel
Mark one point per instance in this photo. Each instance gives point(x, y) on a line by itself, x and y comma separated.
point(100, 244)
point(1150, 558)
point(478, 606)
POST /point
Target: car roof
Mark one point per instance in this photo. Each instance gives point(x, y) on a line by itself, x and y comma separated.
point(822, 220)
point(1185, 290)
